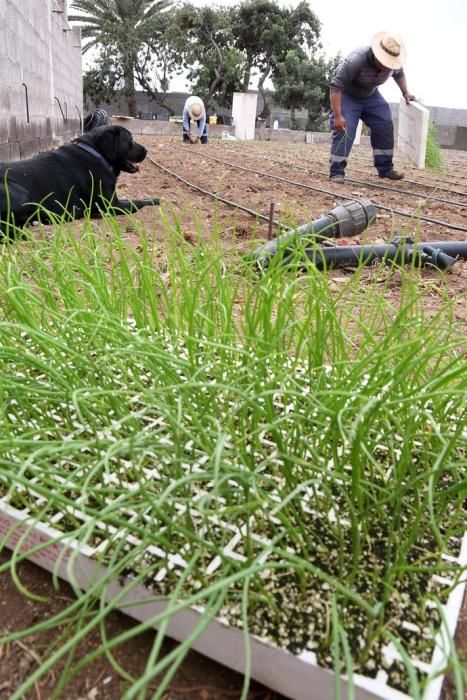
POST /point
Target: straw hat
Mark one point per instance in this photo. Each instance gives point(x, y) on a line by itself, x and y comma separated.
point(389, 50)
point(196, 110)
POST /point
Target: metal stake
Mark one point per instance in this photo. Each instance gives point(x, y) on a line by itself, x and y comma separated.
point(271, 221)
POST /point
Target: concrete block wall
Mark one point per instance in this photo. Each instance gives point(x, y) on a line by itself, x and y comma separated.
point(446, 135)
point(448, 116)
point(41, 87)
point(153, 127)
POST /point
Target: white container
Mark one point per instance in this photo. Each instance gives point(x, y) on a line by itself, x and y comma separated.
point(298, 677)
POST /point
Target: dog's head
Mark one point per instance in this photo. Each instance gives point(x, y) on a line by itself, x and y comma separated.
point(116, 144)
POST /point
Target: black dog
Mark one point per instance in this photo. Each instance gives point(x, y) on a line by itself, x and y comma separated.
point(77, 177)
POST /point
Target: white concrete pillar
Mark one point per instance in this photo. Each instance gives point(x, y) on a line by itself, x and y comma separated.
point(244, 114)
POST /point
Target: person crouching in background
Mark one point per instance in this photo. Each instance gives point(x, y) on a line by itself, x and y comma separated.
point(194, 111)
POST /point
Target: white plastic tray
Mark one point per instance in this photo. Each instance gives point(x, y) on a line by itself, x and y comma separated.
point(298, 677)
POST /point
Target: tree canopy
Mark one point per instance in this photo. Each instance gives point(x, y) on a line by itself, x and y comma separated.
point(266, 32)
point(121, 28)
point(217, 48)
point(204, 41)
point(302, 82)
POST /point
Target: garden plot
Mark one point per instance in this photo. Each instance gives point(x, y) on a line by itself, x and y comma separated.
point(436, 197)
point(269, 463)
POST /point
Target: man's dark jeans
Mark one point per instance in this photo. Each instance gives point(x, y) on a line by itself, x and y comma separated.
point(375, 113)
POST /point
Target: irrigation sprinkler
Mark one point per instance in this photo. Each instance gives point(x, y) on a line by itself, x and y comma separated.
point(344, 221)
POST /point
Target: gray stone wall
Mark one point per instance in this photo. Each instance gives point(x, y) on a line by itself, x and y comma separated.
point(151, 127)
point(450, 124)
point(41, 83)
point(176, 100)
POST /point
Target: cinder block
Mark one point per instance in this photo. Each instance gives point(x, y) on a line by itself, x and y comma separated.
point(28, 149)
point(38, 54)
point(5, 152)
point(413, 131)
point(321, 137)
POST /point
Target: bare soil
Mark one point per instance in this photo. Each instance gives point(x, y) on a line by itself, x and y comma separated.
point(199, 678)
point(240, 172)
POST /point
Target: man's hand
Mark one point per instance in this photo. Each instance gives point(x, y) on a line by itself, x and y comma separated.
point(339, 123)
point(408, 97)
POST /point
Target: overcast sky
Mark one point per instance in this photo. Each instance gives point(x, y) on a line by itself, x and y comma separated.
point(434, 33)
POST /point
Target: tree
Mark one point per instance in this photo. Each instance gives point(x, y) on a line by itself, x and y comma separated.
point(288, 82)
point(101, 82)
point(210, 80)
point(121, 27)
point(203, 37)
point(158, 59)
point(302, 82)
point(266, 32)
point(317, 74)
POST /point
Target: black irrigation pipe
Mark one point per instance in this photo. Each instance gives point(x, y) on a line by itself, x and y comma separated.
point(215, 196)
point(439, 254)
point(454, 227)
point(430, 178)
point(414, 182)
point(363, 161)
point(64, 115)
point(402, 251)
point(348, 219)
point(374, 185)
point(431, 182)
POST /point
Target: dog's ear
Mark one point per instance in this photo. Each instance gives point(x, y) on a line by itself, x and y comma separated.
point(108, 143)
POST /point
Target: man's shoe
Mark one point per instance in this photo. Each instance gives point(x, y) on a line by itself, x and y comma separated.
point(339, 179)
point(393, 175)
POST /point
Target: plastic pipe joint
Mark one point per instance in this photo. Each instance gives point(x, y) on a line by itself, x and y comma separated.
point(344, 221)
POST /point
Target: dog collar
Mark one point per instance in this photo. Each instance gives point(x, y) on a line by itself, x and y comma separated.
point(94, 153)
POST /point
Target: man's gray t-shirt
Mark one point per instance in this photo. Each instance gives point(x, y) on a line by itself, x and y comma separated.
point(358, 76)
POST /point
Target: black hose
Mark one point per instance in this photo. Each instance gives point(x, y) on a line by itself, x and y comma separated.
point(401, 251)
point(363, 160)
point(376, 185)
point(420, 217)
point(346, 220)
point(214, 195)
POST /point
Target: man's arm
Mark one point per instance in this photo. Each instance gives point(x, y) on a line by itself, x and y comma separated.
point(186, 121)
point(336, 100)
point(202, 124)
point(402, 83)
point(342, 78)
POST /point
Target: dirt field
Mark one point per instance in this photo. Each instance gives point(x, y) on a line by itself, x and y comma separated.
point(199, 678)
point(428, 205)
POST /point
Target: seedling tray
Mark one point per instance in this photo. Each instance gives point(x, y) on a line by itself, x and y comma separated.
point(289, 674)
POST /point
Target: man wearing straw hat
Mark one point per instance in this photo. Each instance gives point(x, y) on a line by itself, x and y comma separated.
point(194, 111)
point(355, 95)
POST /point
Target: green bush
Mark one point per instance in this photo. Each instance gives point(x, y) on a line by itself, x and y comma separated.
point(433, 157)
